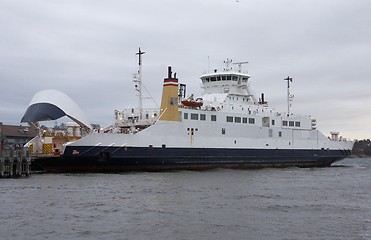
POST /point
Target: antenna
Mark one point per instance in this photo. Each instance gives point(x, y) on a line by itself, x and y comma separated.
point(138, 81)
point(227, 62)
point(240, 65)
point(140, 53)
point(289, 96)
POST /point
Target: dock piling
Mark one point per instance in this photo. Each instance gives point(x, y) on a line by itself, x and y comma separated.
point(14, 162)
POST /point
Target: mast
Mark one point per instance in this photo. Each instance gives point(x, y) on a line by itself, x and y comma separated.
point(227, 62)
point(289, 96)
point(138, 81)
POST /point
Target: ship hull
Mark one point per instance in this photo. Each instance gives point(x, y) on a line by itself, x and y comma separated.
point(119, 159)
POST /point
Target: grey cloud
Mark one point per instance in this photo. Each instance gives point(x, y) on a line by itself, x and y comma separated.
point(87, 50)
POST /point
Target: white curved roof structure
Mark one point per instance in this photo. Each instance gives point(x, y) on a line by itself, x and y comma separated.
point(53, 104)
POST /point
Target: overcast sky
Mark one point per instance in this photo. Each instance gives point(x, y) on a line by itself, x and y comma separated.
point(86, 49)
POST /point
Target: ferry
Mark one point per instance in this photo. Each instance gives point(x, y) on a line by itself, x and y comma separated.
point(226, 127)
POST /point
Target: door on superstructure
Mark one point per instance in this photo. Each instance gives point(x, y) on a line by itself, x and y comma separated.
point(266, 122)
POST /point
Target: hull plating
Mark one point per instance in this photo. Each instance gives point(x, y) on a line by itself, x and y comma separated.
point(116, 159)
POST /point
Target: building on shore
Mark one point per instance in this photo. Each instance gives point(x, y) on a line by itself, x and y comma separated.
point(15, 136)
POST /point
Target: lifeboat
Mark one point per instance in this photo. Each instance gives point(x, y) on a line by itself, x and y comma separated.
point(192, 104)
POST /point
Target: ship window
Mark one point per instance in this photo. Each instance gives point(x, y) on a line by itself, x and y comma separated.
point(234, 78)
point(213, 118)
point(212, 79)
point(270, 132)
point(280, 134)
point(185, 116)
point(244, 120)
point(251, 120)
point(223, 130)
point(284, 123)
point(202, 117)
point(229, 78)
point(218, 78)
point(237, 119)
point(244, 79)
point(273, 122)
point(223, 78)
point(229, 119)
point(291, 123)
point(194, 116)
point(297, 124)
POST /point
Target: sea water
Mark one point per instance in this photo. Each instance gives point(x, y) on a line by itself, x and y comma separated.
point(288, 203)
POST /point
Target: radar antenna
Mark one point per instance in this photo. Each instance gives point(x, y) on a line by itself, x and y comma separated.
point(240, 65)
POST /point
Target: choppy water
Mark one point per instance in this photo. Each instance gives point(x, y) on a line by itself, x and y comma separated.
point(291, 203)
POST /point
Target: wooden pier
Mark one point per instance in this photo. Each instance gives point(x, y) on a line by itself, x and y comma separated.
point(14, 162)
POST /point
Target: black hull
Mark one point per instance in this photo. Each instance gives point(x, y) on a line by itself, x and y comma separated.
point(118, 159)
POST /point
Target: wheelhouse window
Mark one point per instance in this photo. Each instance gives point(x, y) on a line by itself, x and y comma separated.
point(297, 124)
point(202, 117)
point(251, 120)
point(185, 116)
point(284, 123)
point(291, 123)
point(194, 116)
point(229, 119)
point(213, 118)
point(244, 120)
point(237, 119)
